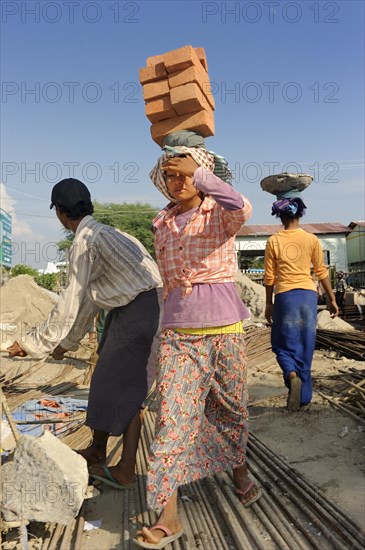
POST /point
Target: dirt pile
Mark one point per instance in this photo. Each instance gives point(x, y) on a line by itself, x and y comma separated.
point(23, 304)
point(325, 321)
point(252, 295)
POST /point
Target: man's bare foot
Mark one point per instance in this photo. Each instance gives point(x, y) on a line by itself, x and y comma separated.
point(93, 454)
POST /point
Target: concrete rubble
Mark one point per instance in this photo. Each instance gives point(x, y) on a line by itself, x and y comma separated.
point(44, 481)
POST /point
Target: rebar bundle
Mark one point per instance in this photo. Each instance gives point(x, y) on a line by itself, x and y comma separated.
point(349, 344)
point(348, 393)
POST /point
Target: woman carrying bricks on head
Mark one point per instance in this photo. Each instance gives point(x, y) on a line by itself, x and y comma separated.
point(202, 419)
point(289, 255)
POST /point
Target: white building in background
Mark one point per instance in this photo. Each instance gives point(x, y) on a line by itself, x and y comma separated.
point(50, 268)
point(251, 241)
point(53, 268)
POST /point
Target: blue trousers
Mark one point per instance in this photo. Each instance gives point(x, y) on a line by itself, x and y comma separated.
point(293, 335)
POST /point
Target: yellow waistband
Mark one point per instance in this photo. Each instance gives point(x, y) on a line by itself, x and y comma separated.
point(224, 329)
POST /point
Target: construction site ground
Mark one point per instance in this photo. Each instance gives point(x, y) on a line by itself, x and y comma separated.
point(321, 445)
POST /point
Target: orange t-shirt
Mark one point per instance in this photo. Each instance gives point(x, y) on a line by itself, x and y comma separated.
point(289, 256)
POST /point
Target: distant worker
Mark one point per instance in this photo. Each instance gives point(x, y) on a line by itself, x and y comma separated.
point(289, 255)
point(341, 287)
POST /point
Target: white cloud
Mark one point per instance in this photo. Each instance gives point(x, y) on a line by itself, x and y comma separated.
point(34, 243)
point(20, 228)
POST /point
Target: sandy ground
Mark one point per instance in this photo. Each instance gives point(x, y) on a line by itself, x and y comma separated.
point(310, 440)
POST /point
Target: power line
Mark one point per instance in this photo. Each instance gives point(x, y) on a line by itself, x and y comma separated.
point(104, 212)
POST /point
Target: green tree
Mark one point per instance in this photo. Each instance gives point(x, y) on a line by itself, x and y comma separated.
point(66, 243)
point(258, 263)
point(250, 262)
point(47, 280)
point(23, 269)
point(135, 219)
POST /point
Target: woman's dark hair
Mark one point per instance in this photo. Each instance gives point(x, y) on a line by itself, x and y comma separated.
point(289, 209)
point(80, 210)
point(287, 216)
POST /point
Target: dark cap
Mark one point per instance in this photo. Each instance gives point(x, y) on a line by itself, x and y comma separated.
point(70, 192)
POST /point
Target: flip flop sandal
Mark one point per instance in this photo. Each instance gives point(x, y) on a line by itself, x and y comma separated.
point(109, 480)
point(242, 494)
point(294, 394)
point(170, 537)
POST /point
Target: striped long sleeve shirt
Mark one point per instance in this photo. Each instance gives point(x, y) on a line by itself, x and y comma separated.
point(108, 269)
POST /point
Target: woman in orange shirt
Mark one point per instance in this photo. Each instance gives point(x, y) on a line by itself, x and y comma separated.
point(289, 255)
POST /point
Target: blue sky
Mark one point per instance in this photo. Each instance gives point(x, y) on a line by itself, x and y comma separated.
point(288, 81)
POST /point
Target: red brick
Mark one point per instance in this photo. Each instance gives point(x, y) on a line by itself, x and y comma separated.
point(202, 122)
point(193, 74)
point(154, 90)
point(152, 73)
point(182, 58)
point(188, 99)
point(154, 59)
point(159, 109)
point(200, 52)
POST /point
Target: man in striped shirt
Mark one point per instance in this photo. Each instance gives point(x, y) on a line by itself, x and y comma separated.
point(113, 271)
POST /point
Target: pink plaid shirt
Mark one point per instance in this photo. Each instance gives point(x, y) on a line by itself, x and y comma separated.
point(204, 251)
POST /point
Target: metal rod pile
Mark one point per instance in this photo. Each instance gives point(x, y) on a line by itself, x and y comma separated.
point(293, 514)
point(352, 313)
point(258, 347)
point(335, 527)
point(348, 395)
point(350, 344)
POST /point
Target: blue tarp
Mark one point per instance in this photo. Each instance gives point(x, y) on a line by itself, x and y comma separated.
point(38, 409)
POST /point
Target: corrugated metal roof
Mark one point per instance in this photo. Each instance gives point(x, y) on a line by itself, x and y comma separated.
point(315, 228)
point(352, 225)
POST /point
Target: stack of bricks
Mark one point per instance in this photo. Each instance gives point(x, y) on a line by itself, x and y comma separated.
point(176, 90)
